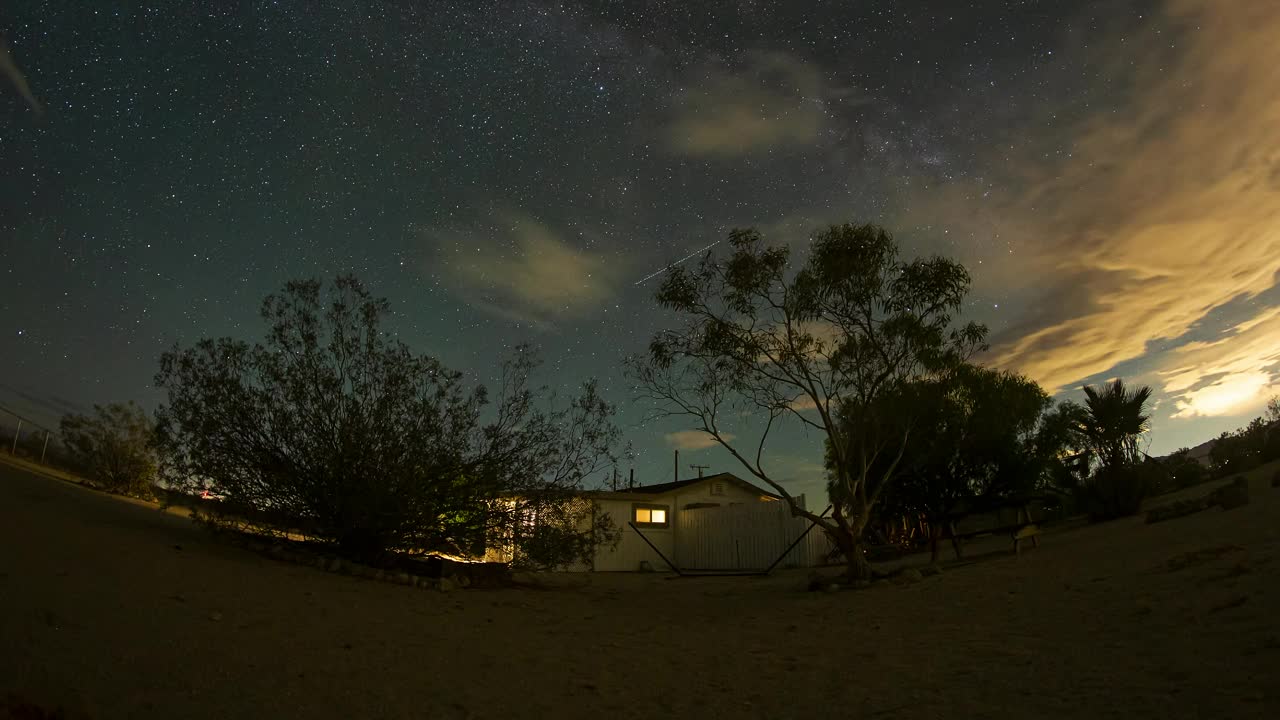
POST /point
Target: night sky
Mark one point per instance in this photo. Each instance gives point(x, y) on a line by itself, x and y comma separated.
point(511, 171)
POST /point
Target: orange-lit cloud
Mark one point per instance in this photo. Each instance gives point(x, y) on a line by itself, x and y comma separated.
point(1167, 209)
point(693, 439)
point(774, 101)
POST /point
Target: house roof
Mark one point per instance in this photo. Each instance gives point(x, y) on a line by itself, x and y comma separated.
point(678, 484)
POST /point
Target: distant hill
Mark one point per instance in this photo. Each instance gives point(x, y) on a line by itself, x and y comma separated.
point(1201, 452)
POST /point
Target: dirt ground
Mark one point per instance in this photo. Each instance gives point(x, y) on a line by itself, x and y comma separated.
point(116, 610)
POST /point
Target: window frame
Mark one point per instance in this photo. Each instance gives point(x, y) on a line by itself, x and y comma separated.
point(666, 509)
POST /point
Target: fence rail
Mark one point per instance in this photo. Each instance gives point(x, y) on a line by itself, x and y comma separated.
point(36, 435)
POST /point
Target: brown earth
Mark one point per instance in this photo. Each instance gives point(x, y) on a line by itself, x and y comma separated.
point(112, 609)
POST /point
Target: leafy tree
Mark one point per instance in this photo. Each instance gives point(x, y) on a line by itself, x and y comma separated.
point(978, 442)
point(829, 345)
point(114, 447)
point(1185, 470)
point(334, 426)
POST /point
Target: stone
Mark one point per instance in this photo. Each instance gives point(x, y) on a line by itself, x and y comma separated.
point(448, 584)
point(831, 587)
point(335, 564)
point(1181, 508)
point(404, 578)
point(928, 570)
point(1234, 495)
point(911, 575)
point(215, 616)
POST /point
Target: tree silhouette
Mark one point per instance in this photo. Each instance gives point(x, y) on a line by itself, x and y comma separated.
point(334, 427)
point(833, 345)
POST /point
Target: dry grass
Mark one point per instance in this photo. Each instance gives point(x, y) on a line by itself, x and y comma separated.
point(111, 610)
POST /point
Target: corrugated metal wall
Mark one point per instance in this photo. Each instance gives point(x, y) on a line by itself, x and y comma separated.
point(746, 537)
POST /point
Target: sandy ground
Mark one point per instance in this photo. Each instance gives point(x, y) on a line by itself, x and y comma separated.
point(117, 610)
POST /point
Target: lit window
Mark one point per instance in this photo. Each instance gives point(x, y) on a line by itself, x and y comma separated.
point(649, 515)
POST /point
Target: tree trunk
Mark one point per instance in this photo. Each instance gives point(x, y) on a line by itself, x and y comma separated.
point(850, 543)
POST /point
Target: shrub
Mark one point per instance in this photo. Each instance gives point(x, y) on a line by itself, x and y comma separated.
point(113, 447)
point(1114, 492)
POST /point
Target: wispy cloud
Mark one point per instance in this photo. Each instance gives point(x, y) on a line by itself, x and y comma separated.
point(693, 439)
point(1164, 210)
point(524, 270)
point(9, 68)
point(773, 100)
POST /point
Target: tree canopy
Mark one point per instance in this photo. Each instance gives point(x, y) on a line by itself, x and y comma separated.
point(835, 338)
point(980, 440)
point(334, 426)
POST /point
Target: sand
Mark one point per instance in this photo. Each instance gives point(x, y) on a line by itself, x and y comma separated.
point(116, 610)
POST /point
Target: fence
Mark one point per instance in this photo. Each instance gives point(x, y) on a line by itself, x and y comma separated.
point(750, 536)
point(29, 438)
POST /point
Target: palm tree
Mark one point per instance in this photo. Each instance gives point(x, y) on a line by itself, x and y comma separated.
point(1115, 419)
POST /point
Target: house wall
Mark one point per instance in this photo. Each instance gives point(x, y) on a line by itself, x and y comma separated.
point(701, 493)
point(632, 549)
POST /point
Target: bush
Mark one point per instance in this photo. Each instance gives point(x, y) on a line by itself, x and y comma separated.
point(113, 447)
point(1114, 492)
point(333, 427)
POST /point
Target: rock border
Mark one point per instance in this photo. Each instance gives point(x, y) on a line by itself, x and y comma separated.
point(1228, 497)
point(327, 562)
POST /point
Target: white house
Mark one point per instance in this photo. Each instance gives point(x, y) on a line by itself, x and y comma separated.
point(655, 519)
point(715, 523)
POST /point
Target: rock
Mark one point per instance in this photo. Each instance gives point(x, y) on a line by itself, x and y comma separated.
point(928, 570)
point(831, 587)
point(912, 575)
point(404, 578)
point(448, 584)
point(335, 565)
point(1181, 508)
point(881, 583)
point(1234, 495)
point(215, 616)
point(464, 581)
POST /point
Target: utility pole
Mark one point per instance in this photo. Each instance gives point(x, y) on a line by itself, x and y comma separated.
point(675, 474)
point(631, 481)
point(699, 468)
point(614, 484)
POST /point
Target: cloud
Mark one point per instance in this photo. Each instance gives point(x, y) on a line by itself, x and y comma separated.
point(1228, 376)
point(1165, 209)
point(10, 69)
point(694, 439)
point(525, 271)
point(773, 101)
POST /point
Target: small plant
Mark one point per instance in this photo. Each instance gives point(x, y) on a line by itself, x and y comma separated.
point(113, 447)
